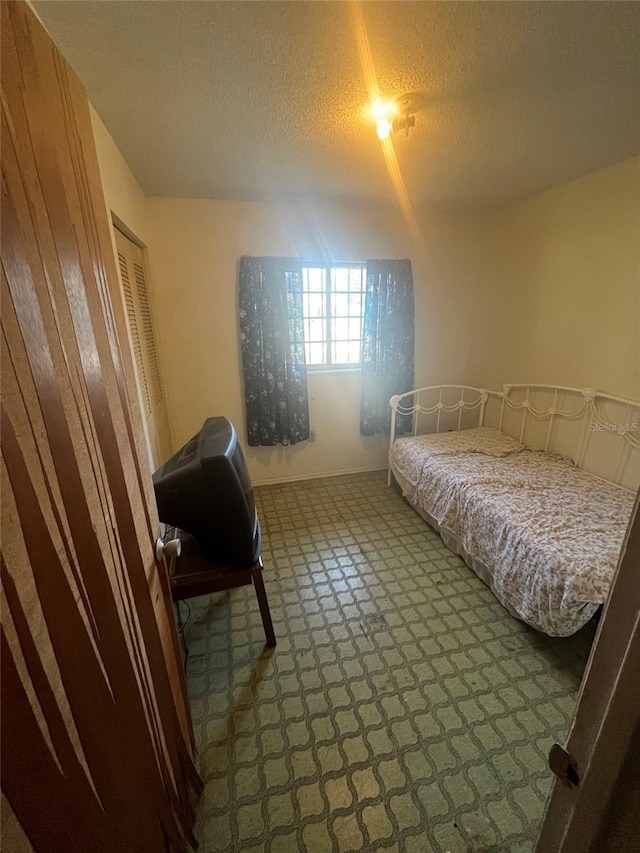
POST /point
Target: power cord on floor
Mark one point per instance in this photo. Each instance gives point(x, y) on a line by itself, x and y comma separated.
point(181, 626)
point(169, 534)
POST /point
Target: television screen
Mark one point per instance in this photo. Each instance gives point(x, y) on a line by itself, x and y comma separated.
point(205, 489)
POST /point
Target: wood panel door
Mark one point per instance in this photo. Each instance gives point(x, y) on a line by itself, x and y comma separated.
point(96, 736)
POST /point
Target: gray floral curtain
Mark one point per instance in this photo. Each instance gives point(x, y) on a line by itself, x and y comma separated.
point(273, 358)
point(387, 344)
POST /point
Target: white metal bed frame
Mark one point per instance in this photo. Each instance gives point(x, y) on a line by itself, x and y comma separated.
point(599, 432)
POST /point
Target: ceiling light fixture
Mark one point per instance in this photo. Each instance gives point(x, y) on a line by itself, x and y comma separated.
point(391, 116)
point(383, 128)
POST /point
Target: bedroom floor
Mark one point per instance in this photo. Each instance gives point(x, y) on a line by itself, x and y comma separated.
point(403, 709)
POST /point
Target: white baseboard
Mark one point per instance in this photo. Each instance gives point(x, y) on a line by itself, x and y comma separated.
point(295, 477)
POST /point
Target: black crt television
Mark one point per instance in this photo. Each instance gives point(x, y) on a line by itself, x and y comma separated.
point(205, 489)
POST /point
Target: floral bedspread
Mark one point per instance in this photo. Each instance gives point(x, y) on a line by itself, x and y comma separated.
point(548, 533)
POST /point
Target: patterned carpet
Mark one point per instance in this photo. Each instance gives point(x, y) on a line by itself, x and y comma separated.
point(403, 709)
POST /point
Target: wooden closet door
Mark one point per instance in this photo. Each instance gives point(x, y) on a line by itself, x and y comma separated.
point(96, 735)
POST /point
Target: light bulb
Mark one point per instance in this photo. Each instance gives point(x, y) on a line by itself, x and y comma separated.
point(383, 128)
point(380, 109)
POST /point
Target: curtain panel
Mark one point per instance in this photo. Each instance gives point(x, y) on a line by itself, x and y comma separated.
point(387, 344)
point(273, 356)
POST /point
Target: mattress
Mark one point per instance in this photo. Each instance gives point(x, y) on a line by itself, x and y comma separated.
point(542, 533)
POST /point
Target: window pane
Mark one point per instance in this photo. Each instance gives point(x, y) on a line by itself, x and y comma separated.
point(355, 280)
point(354, 352)
point(339, 329)
point(340, 278)
point(355, 304)
point(355, 327)
point(313, 279)
point(316, 353)
point(340, 352)
point(340, 304)
point(315, 330)
point(314, 304)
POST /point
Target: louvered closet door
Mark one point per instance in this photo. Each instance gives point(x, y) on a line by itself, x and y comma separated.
point(135, 289)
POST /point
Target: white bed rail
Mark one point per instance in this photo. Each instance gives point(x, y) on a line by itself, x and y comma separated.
point(599, 432)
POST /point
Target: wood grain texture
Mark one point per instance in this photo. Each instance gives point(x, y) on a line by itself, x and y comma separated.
point(97, 740)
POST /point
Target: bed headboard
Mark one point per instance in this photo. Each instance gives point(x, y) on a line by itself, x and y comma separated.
point(599, 432)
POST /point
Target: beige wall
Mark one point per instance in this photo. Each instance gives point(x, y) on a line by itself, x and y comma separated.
point(126, 200)
point(195, 247)
point(123, 194)
point(559, 298)
point(546, 290)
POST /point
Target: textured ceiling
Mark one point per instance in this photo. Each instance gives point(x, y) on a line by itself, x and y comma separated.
point(266, 100)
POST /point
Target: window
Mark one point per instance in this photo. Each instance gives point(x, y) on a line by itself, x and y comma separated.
point(333, 308)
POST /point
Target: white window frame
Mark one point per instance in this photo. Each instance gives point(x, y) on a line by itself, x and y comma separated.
point(327, 266)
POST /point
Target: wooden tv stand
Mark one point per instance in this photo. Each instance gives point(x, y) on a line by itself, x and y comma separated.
point(193, 573)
